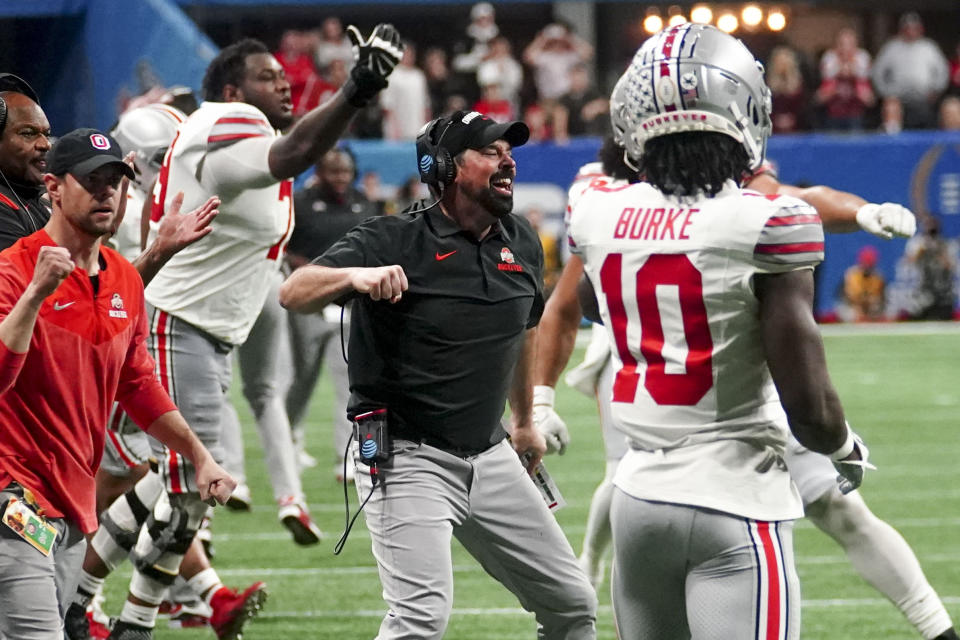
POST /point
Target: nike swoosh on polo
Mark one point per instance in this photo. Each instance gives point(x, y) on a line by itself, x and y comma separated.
point(60, 307)
point(444, 256)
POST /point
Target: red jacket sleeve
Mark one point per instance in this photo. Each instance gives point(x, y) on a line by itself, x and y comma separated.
point(11, 288)
point(139, 392)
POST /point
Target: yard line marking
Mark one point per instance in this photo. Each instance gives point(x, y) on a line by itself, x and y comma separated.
point(838, 559)
point(604, 608)
point(893, 329)
point(898, 523)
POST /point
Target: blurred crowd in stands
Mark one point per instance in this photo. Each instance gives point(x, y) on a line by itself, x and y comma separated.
point(551, 83)
point(910, 84)
point(551, 86)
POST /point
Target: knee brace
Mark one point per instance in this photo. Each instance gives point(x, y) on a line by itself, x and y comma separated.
point(120, 523)
point(165, 538)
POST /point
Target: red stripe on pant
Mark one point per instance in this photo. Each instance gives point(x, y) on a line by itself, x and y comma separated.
point(116, 445)
point(774, 596)
point(173, 461)
point(163, 356)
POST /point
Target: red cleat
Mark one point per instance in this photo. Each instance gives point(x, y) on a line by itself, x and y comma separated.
point(97, 629)
point(232, 610)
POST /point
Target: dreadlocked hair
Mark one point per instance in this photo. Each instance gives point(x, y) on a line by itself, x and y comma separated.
point(691, 162)
point(611, 158)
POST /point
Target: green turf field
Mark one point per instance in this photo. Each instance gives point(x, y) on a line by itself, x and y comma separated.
point(901, 389)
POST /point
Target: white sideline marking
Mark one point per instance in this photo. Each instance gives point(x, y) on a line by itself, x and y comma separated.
point(605, 608)
point(847, 330)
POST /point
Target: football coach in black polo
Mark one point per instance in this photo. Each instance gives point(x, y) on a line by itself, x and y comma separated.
point(448, 295)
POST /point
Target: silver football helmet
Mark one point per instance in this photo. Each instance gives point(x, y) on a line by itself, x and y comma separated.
point(692, 77)
point(147, 131)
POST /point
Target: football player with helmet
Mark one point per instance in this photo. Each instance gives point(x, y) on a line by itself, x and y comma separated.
point(700, 281)
point(877, 551)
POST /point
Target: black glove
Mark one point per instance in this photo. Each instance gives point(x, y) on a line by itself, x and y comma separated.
point(374, 60)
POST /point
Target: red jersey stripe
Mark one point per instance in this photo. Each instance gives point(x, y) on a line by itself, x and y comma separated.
point(790, 247)
point(234, 136)
point(786, 221)
point(239, 120)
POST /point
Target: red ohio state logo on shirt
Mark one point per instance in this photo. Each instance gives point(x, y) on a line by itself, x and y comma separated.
point(506, 261)
point(117, 303)
point(99, 141)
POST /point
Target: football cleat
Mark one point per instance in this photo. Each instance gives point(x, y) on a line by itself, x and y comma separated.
point(240, 499)
point(98, 630)
point(76, 624)
point(186, 615)
point(232, 610)
point(341, 475)
point(129, 631)
point(294, 517)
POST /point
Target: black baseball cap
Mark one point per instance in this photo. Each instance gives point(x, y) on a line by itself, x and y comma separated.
point(84, 150)
point(10, 82)
point(473, 130)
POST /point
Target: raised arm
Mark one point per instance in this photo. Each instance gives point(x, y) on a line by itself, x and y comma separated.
point(843, 212)
point(175, 232)
point(16, 329)
point(317, 131)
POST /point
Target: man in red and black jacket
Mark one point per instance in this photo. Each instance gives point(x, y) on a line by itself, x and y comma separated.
point(72, 338)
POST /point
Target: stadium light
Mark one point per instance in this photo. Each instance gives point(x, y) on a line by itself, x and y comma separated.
point(653, 22)
point(776, 20)
point(702, 14)
point(752, 15)
point(728, 23)
point(677, 19)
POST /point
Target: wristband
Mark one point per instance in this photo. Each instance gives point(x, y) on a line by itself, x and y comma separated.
point(362, 85)
point(543, 395)
point(846, 448)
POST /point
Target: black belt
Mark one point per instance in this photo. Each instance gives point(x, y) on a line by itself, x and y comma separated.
point(443, 445)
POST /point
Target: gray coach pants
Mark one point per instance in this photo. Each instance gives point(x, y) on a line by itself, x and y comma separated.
point(36, 589)
point(264, 359)
point(683, 572)
point(489, 503)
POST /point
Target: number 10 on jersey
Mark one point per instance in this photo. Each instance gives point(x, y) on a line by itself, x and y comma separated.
point(684, 388)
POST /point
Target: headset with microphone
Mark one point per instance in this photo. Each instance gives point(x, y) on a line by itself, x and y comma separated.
point(10, 82)
point(435, 163)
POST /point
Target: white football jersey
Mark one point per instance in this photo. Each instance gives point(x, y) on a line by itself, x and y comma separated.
point(692, 391)
point(219, 283)
point(127, 238)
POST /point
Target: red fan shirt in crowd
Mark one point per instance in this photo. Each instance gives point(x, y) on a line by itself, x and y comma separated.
point(317, 91)
point(500, 110)
point(300, 73)
point(88, 347)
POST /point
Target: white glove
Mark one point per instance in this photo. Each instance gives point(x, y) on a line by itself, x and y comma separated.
point(548, 423)
point(851, 471)
point(887, 220)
